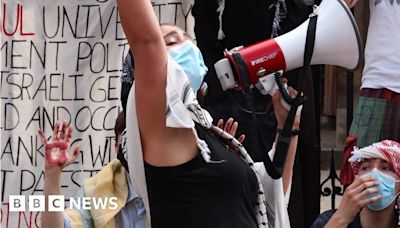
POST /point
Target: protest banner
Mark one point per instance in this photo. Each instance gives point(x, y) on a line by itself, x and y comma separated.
point(61, 60)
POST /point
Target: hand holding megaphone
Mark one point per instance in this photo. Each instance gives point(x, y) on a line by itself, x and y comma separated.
point(318, 40)
point(268, 85)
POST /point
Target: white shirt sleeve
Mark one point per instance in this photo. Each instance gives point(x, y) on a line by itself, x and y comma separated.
point(275, 199)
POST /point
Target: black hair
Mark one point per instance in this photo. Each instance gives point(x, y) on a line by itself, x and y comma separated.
point(119, 124)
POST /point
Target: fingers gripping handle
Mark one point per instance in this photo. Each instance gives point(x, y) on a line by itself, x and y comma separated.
point(269, 86)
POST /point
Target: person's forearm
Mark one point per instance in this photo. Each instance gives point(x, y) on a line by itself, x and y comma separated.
point(52, 186)
point(291, 155)
point(288, 169)
point(140, 23)
point(146, 41)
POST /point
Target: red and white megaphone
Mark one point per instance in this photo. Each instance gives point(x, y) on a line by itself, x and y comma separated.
point(335, 40)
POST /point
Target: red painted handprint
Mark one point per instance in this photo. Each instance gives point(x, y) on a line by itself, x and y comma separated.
point(56, 151)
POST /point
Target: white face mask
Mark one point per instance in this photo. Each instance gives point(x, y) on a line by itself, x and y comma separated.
point(189, 57)
point(387, 189)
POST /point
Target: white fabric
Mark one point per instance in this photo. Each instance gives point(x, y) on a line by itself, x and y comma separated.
point(220, 11)
point(358, 155)
point(382, 51)
point(135, 156)
point(276, 201)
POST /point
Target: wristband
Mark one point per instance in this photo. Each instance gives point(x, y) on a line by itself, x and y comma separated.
point(294, 132)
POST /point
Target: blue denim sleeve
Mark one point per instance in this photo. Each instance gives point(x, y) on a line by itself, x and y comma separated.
point(67, 224)
point(85, 215)
point(132, 215)
point(134, 212)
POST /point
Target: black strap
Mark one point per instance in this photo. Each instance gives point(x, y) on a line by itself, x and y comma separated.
point(285, 136)
point(294, 132)
point(310, 40)
point(243, 73)
point(274, 169)
point(244, 76)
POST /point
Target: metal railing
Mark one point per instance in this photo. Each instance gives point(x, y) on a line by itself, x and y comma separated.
point(333, 190)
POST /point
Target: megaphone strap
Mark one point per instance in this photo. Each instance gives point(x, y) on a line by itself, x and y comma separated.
point(310, 39)
point(284, 137)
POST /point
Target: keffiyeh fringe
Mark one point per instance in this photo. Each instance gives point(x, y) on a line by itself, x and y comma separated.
point(280, 15)
point(220, 11)
point(261, 210)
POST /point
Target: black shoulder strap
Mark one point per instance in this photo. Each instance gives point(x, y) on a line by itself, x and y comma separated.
point(310, 40)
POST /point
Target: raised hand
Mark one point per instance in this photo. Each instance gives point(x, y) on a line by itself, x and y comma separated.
point(230, 127)
point(280, 112)
point(354, 199)
point(57, 150)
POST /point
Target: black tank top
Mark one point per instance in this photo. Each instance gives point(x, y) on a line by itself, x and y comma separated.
point(199, 194)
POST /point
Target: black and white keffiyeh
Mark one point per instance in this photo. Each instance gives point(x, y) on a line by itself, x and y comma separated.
point(182, 110)
point(261, 210)
point(127, 78)
point(188, 105)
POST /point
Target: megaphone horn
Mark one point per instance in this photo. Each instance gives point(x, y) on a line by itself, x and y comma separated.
point(336, 42)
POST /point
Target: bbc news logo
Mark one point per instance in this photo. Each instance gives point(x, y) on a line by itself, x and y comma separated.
point(57, 203)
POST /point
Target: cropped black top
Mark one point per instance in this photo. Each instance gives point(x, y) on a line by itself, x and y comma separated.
point(201, 194)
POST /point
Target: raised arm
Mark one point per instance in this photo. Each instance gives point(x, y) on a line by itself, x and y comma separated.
point(144, 36)
point(162, 146)
point(56, 158)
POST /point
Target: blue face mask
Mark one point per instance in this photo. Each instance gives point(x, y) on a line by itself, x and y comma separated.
point(386, 189)
point(189, 57)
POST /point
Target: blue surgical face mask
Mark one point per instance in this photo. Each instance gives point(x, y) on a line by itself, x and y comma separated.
point(387, 189)
point(189, 57)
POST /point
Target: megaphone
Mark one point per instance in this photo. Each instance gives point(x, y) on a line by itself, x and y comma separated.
point(331, 32)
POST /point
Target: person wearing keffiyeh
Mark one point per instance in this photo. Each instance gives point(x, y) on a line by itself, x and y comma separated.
point(377, 115)
point(372, 199)
point(183, 174)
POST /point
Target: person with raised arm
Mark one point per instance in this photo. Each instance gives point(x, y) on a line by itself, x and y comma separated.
point(184, 174)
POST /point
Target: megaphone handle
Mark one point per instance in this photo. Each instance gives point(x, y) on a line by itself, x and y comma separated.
point(286, 99)
point(270, 83)
point(284, 103)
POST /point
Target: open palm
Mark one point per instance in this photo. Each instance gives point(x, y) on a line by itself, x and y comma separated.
point(56, 150)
